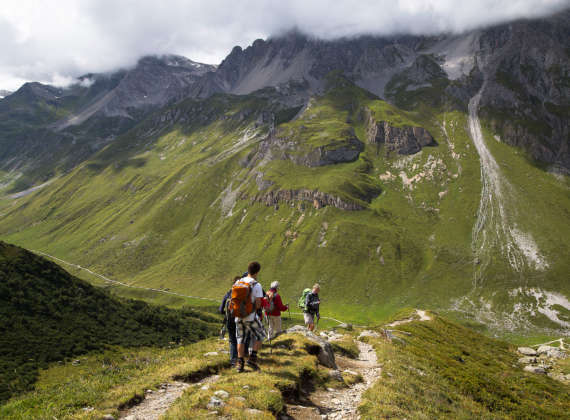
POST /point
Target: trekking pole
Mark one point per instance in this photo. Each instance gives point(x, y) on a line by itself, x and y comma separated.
point(268, 335)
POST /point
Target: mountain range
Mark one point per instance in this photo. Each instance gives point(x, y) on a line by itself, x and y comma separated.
point(395, 171)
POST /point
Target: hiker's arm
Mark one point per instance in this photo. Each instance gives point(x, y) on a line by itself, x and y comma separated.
point(222, 308)
point(279, 303)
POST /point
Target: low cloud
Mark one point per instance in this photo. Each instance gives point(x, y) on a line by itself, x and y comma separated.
point(56, 41)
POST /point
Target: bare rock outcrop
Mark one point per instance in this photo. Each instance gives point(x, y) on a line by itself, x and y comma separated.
point(405, 140)
point(318, 199)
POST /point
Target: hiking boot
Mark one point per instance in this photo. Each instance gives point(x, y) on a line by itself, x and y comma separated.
point(252, 363)
point(233, 362)
point(239, 365)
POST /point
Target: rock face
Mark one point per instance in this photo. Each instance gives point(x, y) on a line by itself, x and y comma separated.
point(317, 199)
point(322, 348)
point(402, 140)
point(345, 151)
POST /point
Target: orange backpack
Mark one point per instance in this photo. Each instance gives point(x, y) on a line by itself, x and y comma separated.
point(241, 304)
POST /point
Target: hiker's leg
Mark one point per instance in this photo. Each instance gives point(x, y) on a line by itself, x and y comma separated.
point(257, 334)
point(233, 342)
point(278, 328)
point(309, 321)
point(273, 326)
point(240, 339)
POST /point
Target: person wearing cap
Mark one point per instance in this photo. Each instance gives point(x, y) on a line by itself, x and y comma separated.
point(273, 307)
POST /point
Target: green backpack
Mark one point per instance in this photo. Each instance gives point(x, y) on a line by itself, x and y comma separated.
point(303, 299)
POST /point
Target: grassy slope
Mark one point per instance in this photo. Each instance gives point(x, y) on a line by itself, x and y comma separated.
point(109, 380)
point(155, 210)
point(48, 316)
point(443, 370)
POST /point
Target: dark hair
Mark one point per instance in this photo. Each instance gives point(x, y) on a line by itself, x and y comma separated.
point(236, 278)
point(253, 268)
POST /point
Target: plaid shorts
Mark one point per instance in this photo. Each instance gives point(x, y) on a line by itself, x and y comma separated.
point(253, 329)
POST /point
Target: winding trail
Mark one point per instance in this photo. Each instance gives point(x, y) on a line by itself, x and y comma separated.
point(495, 226)
point(336, 404)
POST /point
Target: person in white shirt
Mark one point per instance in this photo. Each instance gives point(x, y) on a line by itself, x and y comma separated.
point(251, 324)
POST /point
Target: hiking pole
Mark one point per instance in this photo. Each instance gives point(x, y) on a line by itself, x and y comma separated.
point(268, 334)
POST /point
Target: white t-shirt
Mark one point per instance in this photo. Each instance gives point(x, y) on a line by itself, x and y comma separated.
point(256, 292)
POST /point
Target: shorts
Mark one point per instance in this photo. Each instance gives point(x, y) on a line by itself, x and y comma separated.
point(254, 329)
point(309, 318)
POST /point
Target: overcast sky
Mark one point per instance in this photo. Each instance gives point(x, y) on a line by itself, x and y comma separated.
point(53, 41)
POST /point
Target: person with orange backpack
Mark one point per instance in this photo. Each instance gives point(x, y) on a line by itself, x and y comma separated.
point(246, 299)
point(273, 308)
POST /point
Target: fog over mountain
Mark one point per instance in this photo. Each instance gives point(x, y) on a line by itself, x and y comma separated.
point(54, 42)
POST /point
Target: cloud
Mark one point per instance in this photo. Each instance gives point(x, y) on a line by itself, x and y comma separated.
point(55, 41)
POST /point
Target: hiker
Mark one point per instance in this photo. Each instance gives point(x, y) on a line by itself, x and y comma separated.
point(273, 308)
point(311, 307)
point(246, 300)
point(229, 322)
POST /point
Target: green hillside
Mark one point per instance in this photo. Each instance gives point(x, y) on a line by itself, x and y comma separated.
point(49, 315)
point(431, 369)
point(187, 197)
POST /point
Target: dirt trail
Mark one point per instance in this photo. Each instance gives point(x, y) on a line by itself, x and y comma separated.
point(341, 403)
point(156, 403)
point(422, 314)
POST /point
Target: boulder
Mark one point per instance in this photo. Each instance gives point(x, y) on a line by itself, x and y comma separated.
point(527, 351)
point(336, 375)
point(212, 353)
point(108, 417)
point(322, 348)
point(550, 351)
point(368, 333)
point(215, 403)
point(527, 360)
point(535, 369)
point(224, 395)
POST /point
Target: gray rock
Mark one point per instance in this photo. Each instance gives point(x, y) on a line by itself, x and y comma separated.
point(108, 417)
point(335, 374)
point(535, 369)
point(224, 395)
point(527, 360)
point(550, 351)
point(215, 403)
point(324, 351)
point(405, 140)
point(242, 399)
point(253, 411)
point(345, 326)
point(368, 333)
point(211, 353)
point(527, 351)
